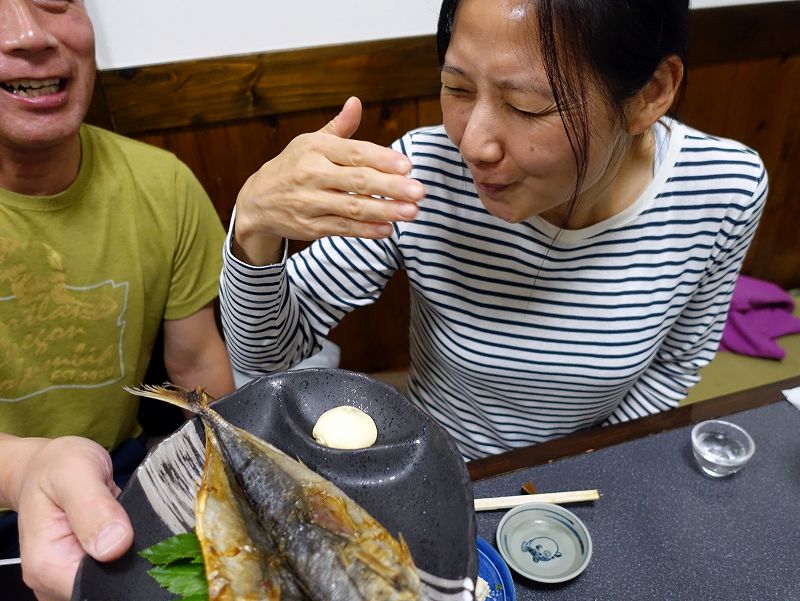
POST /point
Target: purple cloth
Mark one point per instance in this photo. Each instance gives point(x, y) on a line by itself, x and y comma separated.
point(760, 312)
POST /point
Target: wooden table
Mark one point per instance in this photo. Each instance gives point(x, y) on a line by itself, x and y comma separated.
point(662, 530)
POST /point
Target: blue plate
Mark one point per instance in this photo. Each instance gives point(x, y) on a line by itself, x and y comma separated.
point(494, 570)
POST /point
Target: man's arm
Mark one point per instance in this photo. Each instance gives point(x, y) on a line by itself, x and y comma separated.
point(195, 355)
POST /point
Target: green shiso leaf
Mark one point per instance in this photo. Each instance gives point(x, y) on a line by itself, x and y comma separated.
point(181, 579)
point(179, 547)
point(178, 566)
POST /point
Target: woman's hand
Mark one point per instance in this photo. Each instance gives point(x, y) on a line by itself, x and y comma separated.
point(64, 492)
point(324, 184)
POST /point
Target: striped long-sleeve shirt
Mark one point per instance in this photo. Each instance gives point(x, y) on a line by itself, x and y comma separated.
point(520, 332)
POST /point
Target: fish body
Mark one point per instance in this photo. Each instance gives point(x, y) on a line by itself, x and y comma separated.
point(240, 562)
point(332, 548)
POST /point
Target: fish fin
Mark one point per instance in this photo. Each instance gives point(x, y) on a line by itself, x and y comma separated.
point(191, 400)
point(404, 546)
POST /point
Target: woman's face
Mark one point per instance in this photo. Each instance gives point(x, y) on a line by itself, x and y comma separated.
point(499, 110)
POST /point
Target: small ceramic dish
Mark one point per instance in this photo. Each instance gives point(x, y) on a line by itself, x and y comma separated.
point(544, 542)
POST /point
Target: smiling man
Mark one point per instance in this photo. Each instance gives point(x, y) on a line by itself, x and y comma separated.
point(103, 241)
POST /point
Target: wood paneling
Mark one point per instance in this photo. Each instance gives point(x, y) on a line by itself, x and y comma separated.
point(223, 155)
point(226, 117)
point(208, 91)
point(191, 93)
point(758, 103)
point(733, 33)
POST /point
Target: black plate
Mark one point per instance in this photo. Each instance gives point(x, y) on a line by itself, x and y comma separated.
point(413, 480)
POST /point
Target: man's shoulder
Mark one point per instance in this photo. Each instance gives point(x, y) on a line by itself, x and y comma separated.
point(115, 148)
point(140, 176)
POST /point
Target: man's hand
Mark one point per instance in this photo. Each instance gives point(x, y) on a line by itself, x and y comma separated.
point(324, 184)
point(64, 492)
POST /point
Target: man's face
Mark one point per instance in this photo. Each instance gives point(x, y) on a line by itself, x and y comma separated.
point(47, 71)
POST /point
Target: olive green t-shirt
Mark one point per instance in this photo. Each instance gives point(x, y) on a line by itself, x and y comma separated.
point(86, 278)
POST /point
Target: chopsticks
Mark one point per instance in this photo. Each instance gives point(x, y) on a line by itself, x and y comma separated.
point(571, 496)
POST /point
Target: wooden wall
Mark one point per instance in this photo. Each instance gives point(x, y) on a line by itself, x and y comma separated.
point(225, 117)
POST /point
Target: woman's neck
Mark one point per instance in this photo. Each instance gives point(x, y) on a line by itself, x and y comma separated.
point(40, 171)
point(626, 179)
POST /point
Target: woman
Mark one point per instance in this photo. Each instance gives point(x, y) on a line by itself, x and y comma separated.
point(572, 256)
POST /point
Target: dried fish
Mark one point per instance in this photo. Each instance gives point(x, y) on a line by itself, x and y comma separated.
point(313, 541)
point(240, 562)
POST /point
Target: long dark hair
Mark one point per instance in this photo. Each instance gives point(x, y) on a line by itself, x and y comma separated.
point(617, 43)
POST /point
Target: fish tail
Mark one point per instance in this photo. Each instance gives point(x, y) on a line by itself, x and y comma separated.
point(192, 400)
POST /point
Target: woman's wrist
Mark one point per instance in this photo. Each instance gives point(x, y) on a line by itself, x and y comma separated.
point(252, 246)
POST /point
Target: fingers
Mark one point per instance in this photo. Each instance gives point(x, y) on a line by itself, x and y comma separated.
point(335, 213)
point(367, 208)
point(68, 507)
point(336, 225)
point(315, 151)
point(87, 495)
point(347, 121)
point(369, 182)
point(339, 214)
point(322, 184)
point(50, 553)
point(358, 153)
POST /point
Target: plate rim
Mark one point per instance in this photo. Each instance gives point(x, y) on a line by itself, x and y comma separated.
point(486, 549)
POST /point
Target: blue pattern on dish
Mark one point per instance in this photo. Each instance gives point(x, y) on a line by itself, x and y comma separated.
point(566, 522)
point(495, 572)
point(541, 548)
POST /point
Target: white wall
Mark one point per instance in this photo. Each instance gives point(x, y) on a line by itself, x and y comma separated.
point(141, 32)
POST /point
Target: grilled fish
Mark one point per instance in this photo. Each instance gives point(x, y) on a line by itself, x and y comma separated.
point(314, 535)
point(240, 561)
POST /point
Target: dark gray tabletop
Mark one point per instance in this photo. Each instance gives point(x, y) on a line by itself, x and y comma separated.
point(663, 530)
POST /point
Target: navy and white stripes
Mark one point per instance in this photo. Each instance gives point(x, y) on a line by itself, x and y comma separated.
point(521, 332)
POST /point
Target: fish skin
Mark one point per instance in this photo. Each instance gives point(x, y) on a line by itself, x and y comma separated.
point(239, 564)
point(345, 556)
point(232, 565)
point(333, 548)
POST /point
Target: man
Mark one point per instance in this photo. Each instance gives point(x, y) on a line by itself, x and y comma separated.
point(103, 241)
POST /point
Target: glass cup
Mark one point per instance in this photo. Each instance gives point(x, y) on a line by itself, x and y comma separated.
point(721, 448)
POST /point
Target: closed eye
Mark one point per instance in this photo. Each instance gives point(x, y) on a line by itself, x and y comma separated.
point(453, 90)
point(533, 114)
point(54, 5)
point(525, 114)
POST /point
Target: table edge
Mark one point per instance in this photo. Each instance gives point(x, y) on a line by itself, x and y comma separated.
point(594, 438)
